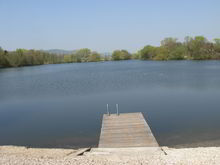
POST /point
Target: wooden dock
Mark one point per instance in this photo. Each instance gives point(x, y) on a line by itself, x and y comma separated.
point(126, 130)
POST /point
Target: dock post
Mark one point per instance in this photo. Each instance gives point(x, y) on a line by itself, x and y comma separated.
point(108, 111)
point(117, 109)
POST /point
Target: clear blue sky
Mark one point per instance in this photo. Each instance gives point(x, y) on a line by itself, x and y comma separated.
point(104, 25)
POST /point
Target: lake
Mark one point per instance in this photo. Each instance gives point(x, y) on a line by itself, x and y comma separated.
point(62, 105)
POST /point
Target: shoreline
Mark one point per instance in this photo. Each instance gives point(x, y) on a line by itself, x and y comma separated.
point(13, 155)
point(199, 144)
point(2, 67)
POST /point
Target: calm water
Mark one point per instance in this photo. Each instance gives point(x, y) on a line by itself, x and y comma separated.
point(62, 105)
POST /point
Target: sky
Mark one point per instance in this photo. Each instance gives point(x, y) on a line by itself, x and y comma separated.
point(104, 25)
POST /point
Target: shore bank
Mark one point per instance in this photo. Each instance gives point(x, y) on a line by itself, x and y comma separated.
point(12, 155)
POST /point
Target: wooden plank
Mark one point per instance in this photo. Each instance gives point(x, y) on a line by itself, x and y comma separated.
point(126, 130)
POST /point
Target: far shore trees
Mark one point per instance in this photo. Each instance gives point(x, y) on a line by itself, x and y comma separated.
point(23, 57)
point(121, 55)
point(217, 47)
point(193, 48)
point(197, 48)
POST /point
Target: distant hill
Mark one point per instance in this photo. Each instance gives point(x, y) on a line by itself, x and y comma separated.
point(60, 51)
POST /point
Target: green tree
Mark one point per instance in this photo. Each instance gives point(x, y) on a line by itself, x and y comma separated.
point(116, 55)
point(94, 57)
point(174, 50)
point(187, 44)
point(67, 58)
point(1, 57)
point(121, 55)
point(198, 48)
point(178, 53)
point(169, 42)
point(83, 54)
point(217, 45)
point(125, 55)
point(148, 52)
point(161, 53)
point(136, 56)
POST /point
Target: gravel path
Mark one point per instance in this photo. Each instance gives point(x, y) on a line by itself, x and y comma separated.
point(11, 155)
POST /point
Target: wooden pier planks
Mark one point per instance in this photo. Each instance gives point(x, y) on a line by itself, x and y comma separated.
point(126, 130)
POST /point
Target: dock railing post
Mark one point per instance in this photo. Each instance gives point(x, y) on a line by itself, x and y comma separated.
point(117, 109)
point(108, 111)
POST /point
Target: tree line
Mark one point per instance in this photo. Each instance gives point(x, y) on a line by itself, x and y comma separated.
point(23, 57)
point(192, 48)
point(197, 48)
